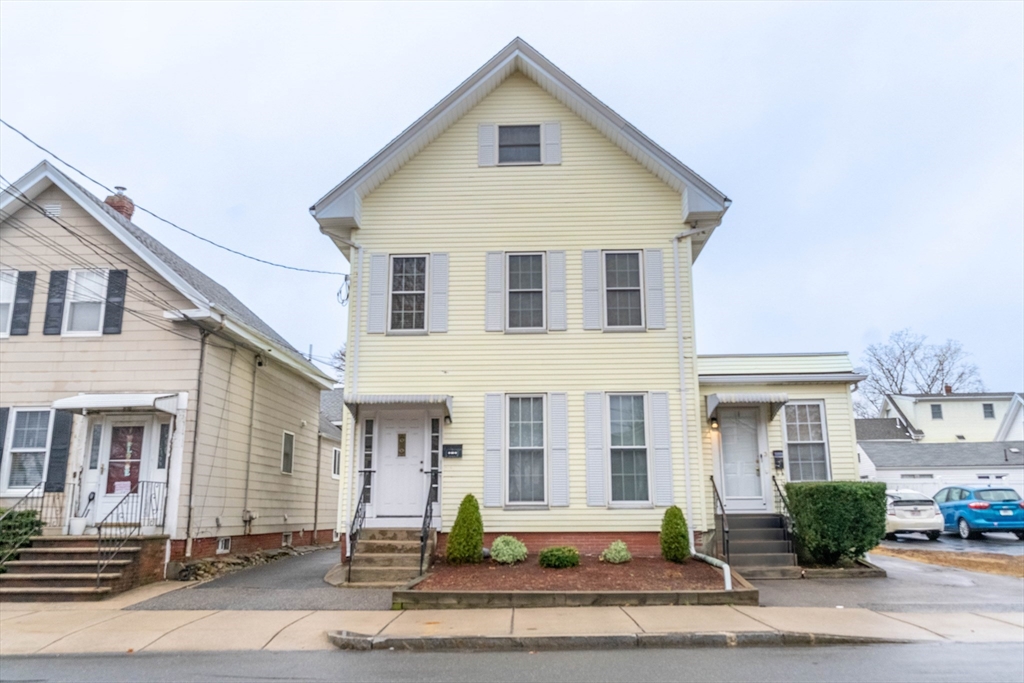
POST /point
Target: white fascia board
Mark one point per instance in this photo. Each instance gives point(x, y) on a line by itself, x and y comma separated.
point(45, 171)
point(276, 351)
point(1010, 418)
point(195, 314)
point(808, 378)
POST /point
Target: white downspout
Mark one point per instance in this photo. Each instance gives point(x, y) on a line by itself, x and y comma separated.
point(682, 388)
point(352, 365)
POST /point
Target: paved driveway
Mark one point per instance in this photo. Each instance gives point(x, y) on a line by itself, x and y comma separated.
point(292, 583)
point(910, 587)
point(1002, 542)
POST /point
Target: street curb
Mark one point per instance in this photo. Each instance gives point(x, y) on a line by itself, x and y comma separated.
point(346, 640)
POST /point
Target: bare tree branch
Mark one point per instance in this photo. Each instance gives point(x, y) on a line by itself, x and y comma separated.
point(338, 363)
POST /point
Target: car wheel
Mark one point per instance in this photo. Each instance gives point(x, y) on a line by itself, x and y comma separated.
point(964, 529)
point(933, 535)
point(1020, 534)
point(890, 537)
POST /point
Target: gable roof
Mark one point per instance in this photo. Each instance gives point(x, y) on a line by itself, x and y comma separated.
point(881, 429)
point(339, 209)
point(910, 455)
point(914, 431)
point(977, 396)
point(1012, 417)
point(332, 404)
point(211, 298)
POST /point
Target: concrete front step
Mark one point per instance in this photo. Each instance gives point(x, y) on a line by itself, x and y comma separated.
point(761, 560)
point(61, 553)
point(748, 547)
point(388, 559)
point(762, 534)
point(53, 594)
point(757, 573)
point(364, 546)
point(393, 575)
point(61, 580)
point(66, 566)
point(390, 535)
point(760, 521)
point(64, 541)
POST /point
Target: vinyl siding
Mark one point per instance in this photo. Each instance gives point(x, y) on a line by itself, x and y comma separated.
point(959, 416)
point(598, 198)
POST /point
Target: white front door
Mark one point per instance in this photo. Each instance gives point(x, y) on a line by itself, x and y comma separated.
point(400, 485)
point(742, 480)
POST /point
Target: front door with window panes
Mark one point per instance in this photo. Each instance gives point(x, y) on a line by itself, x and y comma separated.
point(743, 481)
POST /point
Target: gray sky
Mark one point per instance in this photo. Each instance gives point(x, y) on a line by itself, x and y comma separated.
point(874, 152)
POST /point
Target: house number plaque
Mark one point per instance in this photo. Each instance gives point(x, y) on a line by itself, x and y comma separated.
point(452, 451)
point(401, 445)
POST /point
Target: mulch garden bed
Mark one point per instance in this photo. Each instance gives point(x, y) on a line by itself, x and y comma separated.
point(641, 574)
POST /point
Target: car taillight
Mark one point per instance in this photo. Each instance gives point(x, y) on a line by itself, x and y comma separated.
point(978, 505)
point(1020, 504)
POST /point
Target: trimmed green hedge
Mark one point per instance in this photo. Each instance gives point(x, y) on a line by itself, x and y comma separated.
point(466, 540)
point(675, 539)
point(559, 557)
point(836, 520)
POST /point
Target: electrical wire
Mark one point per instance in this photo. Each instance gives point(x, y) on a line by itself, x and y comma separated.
point(171, 223)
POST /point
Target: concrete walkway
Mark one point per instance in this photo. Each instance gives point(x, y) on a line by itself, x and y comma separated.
point(109, 627)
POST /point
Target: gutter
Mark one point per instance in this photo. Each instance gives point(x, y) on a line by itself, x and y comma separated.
point(203, 334)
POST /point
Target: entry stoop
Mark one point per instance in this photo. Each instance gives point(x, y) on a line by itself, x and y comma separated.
point(759, 547)
point(63, 569)
point(388, 557)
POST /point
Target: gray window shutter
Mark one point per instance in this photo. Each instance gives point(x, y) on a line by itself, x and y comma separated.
point(591, 289)
point(558, 449)
point(661, 435)
point(60, 442)
point(54, 316)
point(552, 143)
point(655, 276)
point(556, 291)
point(439, 292)
point(113, 313)
point(495, 314)
point(487, 144)
point(493, 428)
point(22, 312)
point(376, 318)
point(4, 412)
point(593, 409)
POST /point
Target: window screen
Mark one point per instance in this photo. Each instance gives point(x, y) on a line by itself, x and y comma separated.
point(628, 449)
point(526, 449)
point(518, 144)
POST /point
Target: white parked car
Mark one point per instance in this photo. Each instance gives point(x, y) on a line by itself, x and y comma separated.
point(912, 512)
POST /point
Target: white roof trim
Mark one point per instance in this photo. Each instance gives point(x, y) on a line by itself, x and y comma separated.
point(808, 378)
point(164, 403)
point(1013, 413)
point(775, 401)
point(356, 400)
point(340, 208)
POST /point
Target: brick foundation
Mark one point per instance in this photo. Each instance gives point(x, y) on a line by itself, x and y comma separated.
point(204, 548)
point(640, 543)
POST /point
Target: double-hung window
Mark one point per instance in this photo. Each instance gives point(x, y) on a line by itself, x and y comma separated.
point(630, 482)
point(806, 442)
point(988, 410)
point(936, 411)
point(30, 439)
point(519, 144)
point(335, 463)
point(8, 285)
point(287, 452)
point(525, 292)
point(408, 294)
point(526, 450)
point(623, 290)
point(86, 298)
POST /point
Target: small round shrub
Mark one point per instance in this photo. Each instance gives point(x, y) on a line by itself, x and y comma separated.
point(559, 557)
point(675, 542)
point(616, 553)
point(508, 550)
point(466, 540)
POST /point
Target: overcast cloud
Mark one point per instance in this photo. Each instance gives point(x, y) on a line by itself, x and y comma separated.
point(874, 153)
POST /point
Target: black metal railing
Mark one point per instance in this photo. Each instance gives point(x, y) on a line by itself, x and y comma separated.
point(782, 509)
point(428, 516)
point(721, 526)
point(144, 506)
point(28, 517)
point(359, 518)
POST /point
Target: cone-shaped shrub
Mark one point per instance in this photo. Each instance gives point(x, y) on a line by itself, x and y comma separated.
point(466, 540)
point(675, 542)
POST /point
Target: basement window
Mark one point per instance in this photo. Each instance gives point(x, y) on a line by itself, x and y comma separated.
point(286, 539)
point(224, 545)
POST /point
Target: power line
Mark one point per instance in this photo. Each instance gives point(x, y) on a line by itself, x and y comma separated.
point(171, 223)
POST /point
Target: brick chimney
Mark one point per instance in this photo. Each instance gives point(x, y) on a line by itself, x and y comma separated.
point(121, 203)
point(948, 389)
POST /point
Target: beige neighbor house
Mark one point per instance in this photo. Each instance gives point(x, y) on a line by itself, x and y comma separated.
point(951, 417)
point(136, 390)
point(522, 329)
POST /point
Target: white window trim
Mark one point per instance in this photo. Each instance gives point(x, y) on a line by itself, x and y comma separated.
point(426, 294)
point(5, 325)
point(497, 145)
point(5, 466)
point(72, 276)
point(983, 415)
point(220, 541)
point(931, 409)
point(642, 327)
point(335, 463)
point(824, 435)
point(544, 292)
point(649, 503)
point(285, 433)
point(506, 458)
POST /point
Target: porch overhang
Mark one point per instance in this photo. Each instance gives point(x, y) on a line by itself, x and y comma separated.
point(774, 401)
point(354, 401)
point(164, 403)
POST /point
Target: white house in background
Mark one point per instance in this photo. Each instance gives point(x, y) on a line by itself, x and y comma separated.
point(928, 467)
point(950, 417)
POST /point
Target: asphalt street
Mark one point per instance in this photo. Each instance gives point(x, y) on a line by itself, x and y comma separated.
point(291, 583)
point(1002, 543)
point(902, 663)
point(910, 587)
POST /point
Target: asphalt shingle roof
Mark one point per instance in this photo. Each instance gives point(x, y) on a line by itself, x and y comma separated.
point(881, 429)
point(906, 454)
point(332, 403)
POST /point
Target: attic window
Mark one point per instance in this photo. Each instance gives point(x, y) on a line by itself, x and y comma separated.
point(989, 411)
point(519, 144)
point(52, 210)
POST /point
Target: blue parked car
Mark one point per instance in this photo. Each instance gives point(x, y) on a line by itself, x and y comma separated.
point(971, 510)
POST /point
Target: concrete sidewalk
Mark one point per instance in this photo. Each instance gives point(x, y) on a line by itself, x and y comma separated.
point(107, 627)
